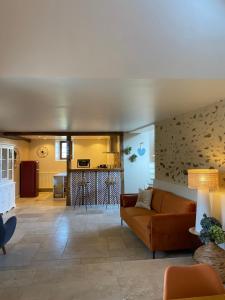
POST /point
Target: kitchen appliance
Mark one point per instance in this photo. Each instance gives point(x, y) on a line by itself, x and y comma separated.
point(29, 178)
point(83, 163)
point(113, 144)
point(104, 166)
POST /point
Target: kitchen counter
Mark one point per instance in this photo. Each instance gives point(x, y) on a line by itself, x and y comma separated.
point(59, 185)
point(103, 186)
point(61, 174)
point(97, 169)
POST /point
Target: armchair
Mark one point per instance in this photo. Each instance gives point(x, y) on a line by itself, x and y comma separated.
point(6, 231)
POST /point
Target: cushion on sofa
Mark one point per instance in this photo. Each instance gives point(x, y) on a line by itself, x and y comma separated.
point(157, 198)
point(144, 199)
point(175, 204)
point(137, 211)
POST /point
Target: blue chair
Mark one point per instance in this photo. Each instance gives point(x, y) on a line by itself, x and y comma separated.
point(6, 231)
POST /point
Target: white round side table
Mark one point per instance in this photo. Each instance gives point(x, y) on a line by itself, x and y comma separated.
point(193, 231)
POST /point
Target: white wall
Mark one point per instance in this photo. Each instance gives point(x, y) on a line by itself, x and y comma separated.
point(177, 189)
point(140, 173)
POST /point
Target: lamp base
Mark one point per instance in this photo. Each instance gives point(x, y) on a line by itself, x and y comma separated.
point(203, 207)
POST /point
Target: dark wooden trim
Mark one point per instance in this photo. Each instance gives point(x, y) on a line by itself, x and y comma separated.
point(122, 163)
point(64, 133)
point(68, 168)
point(14, 137)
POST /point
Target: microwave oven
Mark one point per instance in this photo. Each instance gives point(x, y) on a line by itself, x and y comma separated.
point(83, 163)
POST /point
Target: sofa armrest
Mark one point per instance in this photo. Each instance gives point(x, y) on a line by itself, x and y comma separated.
point(171, 223)
point(128, 200)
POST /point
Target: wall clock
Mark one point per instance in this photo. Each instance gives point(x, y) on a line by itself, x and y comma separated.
point(42, 152)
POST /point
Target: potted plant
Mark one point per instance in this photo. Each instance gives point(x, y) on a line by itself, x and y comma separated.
point(210, 253)
point(127, 150)
point(212, 231)
point(133, 158)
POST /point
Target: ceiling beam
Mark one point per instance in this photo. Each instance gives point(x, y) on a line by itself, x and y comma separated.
point(63, 133)
point(14, 137)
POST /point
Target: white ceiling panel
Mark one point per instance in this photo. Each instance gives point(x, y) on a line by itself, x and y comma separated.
point(107, 65)
point(113, 38)
point(99, 104)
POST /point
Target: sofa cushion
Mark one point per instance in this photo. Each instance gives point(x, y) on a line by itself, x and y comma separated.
point(144, 199)
point(175, 204)
point(157, 198)
point(130, 212)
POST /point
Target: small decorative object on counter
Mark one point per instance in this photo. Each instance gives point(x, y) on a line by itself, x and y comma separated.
point(127, 150)
point(133, 158)
point(210, 253)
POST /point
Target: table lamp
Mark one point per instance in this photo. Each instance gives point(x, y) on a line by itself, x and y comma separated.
point(205, 181)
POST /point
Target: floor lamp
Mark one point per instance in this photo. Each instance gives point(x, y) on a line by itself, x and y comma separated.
point(205, 181)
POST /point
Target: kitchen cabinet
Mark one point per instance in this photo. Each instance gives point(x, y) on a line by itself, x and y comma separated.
point(7, 184)
point(59, 185)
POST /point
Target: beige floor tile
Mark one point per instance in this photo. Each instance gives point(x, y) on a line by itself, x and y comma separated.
point(12, 293)
point(60, 253)
point(15, 278)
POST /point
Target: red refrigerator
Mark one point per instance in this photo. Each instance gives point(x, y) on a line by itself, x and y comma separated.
point(29, 178)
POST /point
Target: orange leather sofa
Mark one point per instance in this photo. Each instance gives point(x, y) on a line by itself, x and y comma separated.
point(165, 226)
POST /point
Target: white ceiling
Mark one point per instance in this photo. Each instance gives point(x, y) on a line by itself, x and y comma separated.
point(107, 64)
point(113, 38)
point(99, 105)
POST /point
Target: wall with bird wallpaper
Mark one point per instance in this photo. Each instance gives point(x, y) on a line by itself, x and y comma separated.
point(192, 140)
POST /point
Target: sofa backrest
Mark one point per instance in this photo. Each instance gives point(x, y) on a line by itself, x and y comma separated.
point(157, 198)
point(166, 202)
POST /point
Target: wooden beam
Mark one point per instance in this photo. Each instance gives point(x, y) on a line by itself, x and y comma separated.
point(14, 137)
point(64, 133)
point(122, 163)
point(68, 169)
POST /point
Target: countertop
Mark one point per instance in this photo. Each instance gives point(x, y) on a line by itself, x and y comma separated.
point(97, 169)
point(61, 174)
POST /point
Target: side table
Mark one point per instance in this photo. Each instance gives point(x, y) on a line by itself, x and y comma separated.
point(193, 231)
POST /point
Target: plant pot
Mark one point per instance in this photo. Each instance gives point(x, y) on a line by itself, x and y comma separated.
point(212, 255)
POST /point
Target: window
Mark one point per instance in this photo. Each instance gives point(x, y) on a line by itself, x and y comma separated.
point(63, 149)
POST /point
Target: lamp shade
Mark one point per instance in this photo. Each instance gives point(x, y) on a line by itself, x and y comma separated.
point(203, 179)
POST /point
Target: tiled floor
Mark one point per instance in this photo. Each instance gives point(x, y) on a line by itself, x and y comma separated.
point(61, 253)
